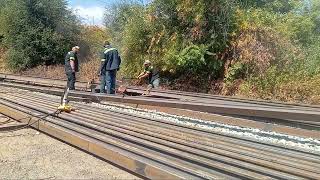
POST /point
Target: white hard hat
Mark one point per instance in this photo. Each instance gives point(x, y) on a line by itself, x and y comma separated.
point(147, 62)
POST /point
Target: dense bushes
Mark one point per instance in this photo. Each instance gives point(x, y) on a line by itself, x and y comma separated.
point(176, 35)
point(256, 48)
point(36, 32)
point(291, 41)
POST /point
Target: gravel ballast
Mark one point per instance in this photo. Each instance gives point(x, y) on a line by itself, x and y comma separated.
point(284, 140)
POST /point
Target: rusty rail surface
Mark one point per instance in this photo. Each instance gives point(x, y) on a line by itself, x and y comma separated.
point(158, 149)
point(305, 116)
point(156, 92)
point(41, 81)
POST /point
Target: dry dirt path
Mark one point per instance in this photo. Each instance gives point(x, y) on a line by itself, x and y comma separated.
point(28, 154)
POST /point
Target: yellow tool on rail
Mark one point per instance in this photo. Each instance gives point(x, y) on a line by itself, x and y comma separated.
point(64, 106)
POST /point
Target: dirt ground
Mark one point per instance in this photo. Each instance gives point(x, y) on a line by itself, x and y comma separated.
point(28, 154)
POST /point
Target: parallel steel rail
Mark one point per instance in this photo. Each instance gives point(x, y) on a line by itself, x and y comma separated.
point(309, 117)
point(156, 92)
point(159, 149)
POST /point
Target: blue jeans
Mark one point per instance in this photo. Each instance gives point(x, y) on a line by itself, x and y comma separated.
point(71, 77)
point(154, 84)
point(108, 82)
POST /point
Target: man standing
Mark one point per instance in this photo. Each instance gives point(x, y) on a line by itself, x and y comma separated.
point(152, 74)
point(72, 66)
point(110, 64)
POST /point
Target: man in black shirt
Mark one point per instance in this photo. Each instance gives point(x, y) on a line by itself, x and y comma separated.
point(152, 74)
point(72, 66)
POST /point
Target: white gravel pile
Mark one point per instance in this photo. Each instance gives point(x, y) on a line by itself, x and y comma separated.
point(294, 142)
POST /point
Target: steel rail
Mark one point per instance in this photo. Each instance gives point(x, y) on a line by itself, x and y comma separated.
point(11, 127)
point(302, 131)
point(104, 146)
point(97, 112)
point(224, 101)
point(162, 93)
point(203, 96)
point(105, 122)
point(84, 118)
point(39, 81)
point(261, 112)
point(176, 163)
point(201, 100)
point(169, 152)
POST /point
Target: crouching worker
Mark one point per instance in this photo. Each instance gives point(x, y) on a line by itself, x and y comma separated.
point(152, 74)
point(110, 64)
point(71, 67)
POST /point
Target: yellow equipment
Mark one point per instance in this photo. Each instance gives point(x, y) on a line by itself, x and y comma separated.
point(64, 106)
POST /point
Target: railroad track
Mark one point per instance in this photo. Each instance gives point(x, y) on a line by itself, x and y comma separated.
point(302, 116)
point(157, 148)
point(169, 94)
point(274, 112)
point(155, 92)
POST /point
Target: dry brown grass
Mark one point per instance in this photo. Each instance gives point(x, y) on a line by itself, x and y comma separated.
point(88, 71)
point(55, 72)
point(299, 90)
point(2, 62)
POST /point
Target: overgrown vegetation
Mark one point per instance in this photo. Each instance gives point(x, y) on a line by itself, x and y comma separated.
point(292, 41)
point(181, 37)
point(254, 48)
point(36, 32)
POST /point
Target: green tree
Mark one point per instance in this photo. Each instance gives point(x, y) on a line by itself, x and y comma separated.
point(165, 31)
point(37, 32)
point(248, 41)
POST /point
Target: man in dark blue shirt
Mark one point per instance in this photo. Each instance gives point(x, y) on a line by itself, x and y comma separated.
point(110, 64)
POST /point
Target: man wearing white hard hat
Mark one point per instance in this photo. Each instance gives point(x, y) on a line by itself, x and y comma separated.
point(72, 66)
point(152, 74)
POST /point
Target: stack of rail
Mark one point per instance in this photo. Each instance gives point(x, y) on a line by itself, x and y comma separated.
point(305, 116)
point(159, 149)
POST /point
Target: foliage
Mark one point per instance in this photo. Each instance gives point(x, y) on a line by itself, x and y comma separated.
point(292, 87)
point(91, 41)
point(295, 54)
point(177, 36)
point(37, 32)
point(192, 58)
point(263, 43)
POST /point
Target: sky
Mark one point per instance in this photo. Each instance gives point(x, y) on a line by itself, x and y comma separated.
point(90, 11)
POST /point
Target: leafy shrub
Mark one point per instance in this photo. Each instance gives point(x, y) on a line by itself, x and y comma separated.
point(37, 32)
